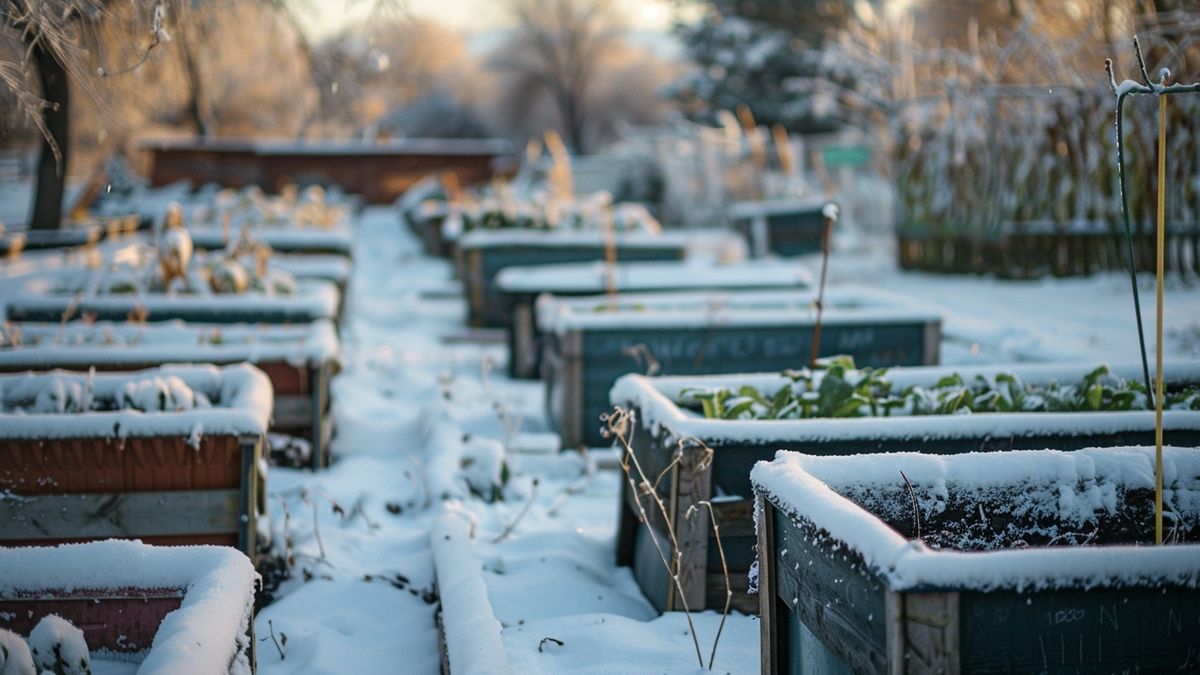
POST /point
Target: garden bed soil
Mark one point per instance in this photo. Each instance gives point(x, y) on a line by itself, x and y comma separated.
point(661, 424)
point(1034, 561)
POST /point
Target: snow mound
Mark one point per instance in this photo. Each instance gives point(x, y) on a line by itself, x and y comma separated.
point(15, 658)
point(58, 646)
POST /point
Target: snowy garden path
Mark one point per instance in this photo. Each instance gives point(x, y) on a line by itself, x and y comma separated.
point(366, 604)
point(361, 597)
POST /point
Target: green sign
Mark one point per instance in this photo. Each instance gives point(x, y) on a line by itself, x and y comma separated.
point(835, 156)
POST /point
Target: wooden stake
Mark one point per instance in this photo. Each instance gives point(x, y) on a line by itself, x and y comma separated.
point(758, 148)
point(560, 178)
point(831, 214)
point(783, 148)
point(610, 257)
point(1158, 356)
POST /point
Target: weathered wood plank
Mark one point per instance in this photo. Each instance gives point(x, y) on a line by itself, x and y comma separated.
point(692, 485)
point(124, 515)
point(832, 592)
point(931, 632)
point(772, 657)
point(291, 412)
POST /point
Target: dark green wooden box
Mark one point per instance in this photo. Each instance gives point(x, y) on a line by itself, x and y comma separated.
point(846, 587)
point(522, 286)
point(588, 346)
point(783, 227)
point(486, 252)
point(738, 445)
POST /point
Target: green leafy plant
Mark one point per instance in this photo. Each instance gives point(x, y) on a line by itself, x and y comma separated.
point(837, 389)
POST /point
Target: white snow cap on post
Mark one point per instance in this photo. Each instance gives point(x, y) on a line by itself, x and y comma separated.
point(472, 633)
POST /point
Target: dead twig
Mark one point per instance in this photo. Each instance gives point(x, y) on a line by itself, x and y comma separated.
point(617, 424)
point(549, 639)
point(316, 525)
point(640, 352)
point(524, 510)
point(712, 516)
point(279, 643)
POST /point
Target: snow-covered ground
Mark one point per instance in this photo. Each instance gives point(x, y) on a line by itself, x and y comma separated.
point(363, 595)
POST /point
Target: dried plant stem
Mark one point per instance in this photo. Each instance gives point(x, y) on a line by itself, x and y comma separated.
point(271, 627)
point(674, 463)
point(524, 510)
point(289, 555)
point(316, 529)
point(629, 459)
point(712, 516)
point(827, 226)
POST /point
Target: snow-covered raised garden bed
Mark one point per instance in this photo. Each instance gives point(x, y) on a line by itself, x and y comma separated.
point(308, 221)
point(337, 240)
point(104, 296)
point(167, 455)
point(783, 227)
point(590, 342)
point(669, 419)
point(522, 285)
point(1033, 561)
point(486, 251)
point(185, 609)
point(422, 209)
point(299, 359)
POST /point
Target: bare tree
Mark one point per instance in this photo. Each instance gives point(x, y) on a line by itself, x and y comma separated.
point(237, 60)
point(52, 33)
point(557, 49)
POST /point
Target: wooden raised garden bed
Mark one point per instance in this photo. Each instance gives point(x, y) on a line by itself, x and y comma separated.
point(186, 609)
point(12, 243)
point(664, 426)
point(422, 209)
point(1036, 561)
point(47, 300)
point(486, 252)
point(378, 170)
point(589, 344)
point(132, 466)
point(783, 227)
point(337, 240)
point(299, 359)
point(426, 220)
point(521, 287)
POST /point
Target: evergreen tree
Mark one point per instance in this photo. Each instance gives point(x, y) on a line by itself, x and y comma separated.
point(761, 53)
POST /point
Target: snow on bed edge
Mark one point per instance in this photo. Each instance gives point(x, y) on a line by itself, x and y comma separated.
point(207, 634)
point(806, 486)
point(471, 630)
point(243, 394)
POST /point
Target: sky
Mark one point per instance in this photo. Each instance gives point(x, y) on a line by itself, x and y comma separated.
point(326, 17)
